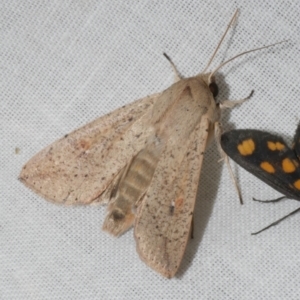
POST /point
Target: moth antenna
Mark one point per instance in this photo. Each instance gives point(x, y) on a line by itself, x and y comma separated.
point(276, 222)
point(221, 41)
point(224, 157)
point(270, 201)
point(177, 73)
point(238, 55)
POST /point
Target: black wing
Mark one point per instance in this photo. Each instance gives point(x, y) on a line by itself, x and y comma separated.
point(268, 157)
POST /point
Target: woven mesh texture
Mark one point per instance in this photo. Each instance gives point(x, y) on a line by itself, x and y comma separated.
point(65, 63)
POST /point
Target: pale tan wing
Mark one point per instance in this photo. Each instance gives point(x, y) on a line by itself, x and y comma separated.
point(78, 168)
point(164, 217)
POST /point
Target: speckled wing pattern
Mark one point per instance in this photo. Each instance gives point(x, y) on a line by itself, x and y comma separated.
point(78, 168)
point(164, 218)
point(145, 160)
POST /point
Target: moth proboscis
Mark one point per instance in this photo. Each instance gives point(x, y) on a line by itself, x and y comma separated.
point(268, 157)
point(143, 160)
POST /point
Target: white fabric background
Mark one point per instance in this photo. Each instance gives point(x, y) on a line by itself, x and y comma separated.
point(64, 63)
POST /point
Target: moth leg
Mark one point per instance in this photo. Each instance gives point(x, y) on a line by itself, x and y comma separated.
point(218, 133)
point(231, 104)
point(224, 156)
point(276, 222)
point(270, 201)
point(177, 76)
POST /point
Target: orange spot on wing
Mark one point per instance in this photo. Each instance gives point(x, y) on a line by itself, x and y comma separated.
point(273, 146)
point(84, 144)
point(178, 203)
point(279, 146)
point(297, 184)
point(266, 166)
point(288, 166)
point(247, 147)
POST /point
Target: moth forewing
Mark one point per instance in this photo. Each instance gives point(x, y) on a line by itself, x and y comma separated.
point(78, 168)
point(162, 226)
point(268, 157)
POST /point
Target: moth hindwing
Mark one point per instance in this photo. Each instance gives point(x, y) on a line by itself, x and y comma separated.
point(143, 160)
point(268, 157)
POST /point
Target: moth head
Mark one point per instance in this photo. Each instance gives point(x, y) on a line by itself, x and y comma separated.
point(210, 81)
point(213, 87)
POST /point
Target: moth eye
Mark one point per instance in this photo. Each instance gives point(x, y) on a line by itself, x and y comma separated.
point(214, 89)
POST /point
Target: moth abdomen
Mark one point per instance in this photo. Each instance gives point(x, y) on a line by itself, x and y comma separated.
point(131, 188)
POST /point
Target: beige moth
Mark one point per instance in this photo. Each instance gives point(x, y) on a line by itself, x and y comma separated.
point(143, 160)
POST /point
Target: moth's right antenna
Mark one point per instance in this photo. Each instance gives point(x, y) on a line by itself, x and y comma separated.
point(243, 53)
point(221, 41)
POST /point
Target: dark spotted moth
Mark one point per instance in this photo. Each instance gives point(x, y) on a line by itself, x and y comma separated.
point(268, 157)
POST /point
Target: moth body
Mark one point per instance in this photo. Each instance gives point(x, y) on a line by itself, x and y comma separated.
point(132, 186)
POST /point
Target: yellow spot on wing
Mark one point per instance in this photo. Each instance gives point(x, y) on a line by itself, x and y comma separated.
point(275, 146)
point(288, 166)
point(246, 147)
point(279, 146)
point(271, 146)
point(297, 184)
point(266, 166)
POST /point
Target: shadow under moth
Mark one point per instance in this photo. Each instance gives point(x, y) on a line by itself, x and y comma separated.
point(143, 160)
